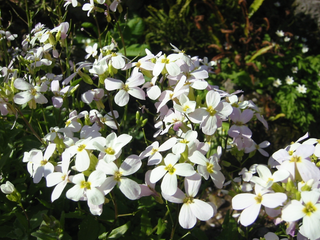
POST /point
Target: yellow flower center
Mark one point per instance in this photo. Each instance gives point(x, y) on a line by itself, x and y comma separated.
point(309, 208)
point(295, 159)
point(85, 184)
point(258, 198)
point(185, 108)
point(109, 151)
point(165, 60)
point(170, 169)
point(44, 162)
point(117, 176)
point(188, 200)
point(33, 92)
point(210, 167)
point(68, 123)
point(154, 150)
point(126, 87)
point(81, 147)
point(211, 111)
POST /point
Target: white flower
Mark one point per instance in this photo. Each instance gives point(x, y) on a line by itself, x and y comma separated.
point(111, 146)
point(289, 80)
point(192, 209)
point(126, 89)
point(7, 188)
point(167, 63)
point(301, 88)
point(87, 189)
point(287, 39)
point(309, 211)
point(305, 48)
point(211, 117)
point(30, 93)
point(277, 83)
point(251, 203)
point(79, 149)
point(42, 166)
point(128, 187)
point(294, 69)
point(91, 50)
point(280, 33)
point(61, 178)
point(88, 7)
point(266, 179)
point(169, 172)
point(212, 169)
point(185, 105)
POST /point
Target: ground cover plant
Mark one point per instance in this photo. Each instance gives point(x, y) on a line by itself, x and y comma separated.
point(109, 130)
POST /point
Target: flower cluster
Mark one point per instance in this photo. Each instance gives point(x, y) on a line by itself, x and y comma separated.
point(289, 193)
point(90, 151)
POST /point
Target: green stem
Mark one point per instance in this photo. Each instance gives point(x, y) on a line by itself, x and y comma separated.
point(29, 126)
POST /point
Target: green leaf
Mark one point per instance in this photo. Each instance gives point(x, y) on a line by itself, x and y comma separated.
point(136, 26)
point(254, 7)
point(43, 236)
point(119, 232)
point(161, 227)
point(136, 50)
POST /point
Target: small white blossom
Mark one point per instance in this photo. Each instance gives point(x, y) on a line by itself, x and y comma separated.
point(289, 80)
point(301, 88)
point(280, 33)
point(277, 83)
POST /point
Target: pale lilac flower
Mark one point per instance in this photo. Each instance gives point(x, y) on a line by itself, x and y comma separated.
point(114, 5)
point(30, 93)
point(258, 147)
point(251, 203)
point(240, 119)
point(92, 95)
point(192, 209)
point(187, 140)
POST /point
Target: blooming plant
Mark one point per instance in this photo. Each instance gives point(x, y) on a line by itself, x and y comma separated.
point(98, 132)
